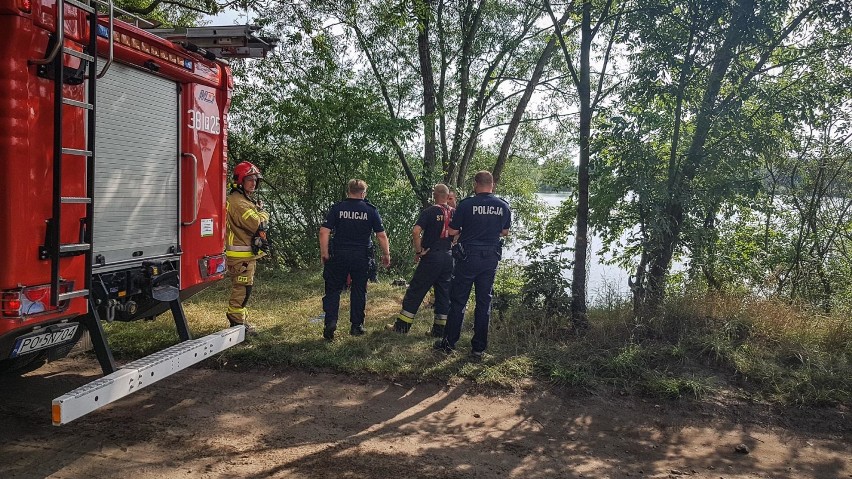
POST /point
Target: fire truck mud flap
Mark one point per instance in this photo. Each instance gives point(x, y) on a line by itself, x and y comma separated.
point(141, 373)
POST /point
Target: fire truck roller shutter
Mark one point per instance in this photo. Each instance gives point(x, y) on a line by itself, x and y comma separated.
point(136, 155)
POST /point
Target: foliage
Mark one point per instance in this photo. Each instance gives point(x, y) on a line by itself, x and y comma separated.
point(686, 144)
point(169, 13)
point(545, 289)
point(454, 70)
point(557, 175)
point(310, 129)
point(721, 139)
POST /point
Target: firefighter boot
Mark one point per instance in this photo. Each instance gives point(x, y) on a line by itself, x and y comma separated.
point(398, 326)
point(250, 331)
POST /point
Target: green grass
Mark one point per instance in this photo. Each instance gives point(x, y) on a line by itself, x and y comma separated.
point(765, 350)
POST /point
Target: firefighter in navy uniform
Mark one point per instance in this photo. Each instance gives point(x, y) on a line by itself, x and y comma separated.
point(245, 240)
point(434, 264)
point(352, 222)
point(480, 221)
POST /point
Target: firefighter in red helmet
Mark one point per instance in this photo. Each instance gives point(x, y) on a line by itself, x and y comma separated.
point(245, 240)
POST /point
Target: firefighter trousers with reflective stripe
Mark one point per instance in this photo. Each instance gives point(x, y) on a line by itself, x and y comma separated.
point(241, 271)
point(434, 270)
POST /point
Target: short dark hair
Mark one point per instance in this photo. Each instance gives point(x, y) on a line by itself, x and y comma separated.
point(484, 178)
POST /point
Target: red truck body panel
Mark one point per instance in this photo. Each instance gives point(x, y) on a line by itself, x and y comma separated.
point(26, 153)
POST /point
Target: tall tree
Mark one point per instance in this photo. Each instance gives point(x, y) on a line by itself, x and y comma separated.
point(678, 128)
point(583, 82)
point(461, 67)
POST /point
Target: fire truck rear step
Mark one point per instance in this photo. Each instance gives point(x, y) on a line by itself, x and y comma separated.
point(141, 373)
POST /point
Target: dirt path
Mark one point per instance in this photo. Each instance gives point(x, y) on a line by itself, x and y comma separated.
point(258, 424)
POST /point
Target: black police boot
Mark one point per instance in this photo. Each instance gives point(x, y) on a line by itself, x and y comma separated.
point(443, 346)
point(398, 326)
point(357, 330)
point(328, 334)
point(437, 331)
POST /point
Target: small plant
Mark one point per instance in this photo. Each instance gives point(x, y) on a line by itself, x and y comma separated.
point(545, 289)
point(675, 387)
point(627, 362)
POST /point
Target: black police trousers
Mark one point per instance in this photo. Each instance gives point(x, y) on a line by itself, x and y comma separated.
point(477, 271)
point(344, 263)
point(434, 269)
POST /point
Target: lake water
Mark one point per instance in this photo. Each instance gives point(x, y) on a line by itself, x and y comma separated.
point(601, 276)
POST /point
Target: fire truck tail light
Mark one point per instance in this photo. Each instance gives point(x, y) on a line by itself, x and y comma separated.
point(32, 300)
point(212, 266)
point(11, 304)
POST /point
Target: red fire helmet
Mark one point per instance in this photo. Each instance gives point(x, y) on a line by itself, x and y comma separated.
point(244, 169)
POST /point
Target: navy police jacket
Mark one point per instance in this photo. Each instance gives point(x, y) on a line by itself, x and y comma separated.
point(352, 221)
point(481, 218)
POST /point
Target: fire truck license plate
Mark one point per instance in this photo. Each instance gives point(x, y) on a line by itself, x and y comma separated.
point(34, 342)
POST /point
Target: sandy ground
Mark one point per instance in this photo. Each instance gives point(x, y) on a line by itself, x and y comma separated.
point(209, 423)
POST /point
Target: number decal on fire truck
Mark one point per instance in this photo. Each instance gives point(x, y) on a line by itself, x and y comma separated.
point(201, 122)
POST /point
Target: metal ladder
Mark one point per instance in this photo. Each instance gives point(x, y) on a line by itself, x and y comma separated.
point(53, 249)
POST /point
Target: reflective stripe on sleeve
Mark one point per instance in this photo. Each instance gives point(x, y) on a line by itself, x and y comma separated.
point(239, 254)
point(251, 214)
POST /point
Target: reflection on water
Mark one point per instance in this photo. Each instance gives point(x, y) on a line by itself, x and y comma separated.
point(601, 277)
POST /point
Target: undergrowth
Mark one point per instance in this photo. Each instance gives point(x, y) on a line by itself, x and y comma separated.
point(766, 349)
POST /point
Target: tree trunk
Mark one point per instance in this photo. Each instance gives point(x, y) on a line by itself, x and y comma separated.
point(581, 241)
point(424, 12)
point(667, 235)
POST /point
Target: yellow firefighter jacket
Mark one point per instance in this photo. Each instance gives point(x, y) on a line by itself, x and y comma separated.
point(244, 217)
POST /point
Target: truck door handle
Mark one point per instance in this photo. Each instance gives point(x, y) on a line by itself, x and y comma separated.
point(194, 189)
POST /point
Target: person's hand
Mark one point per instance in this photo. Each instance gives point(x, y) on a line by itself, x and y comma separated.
point(419, 255)
point(325, 258)
point(386, 260)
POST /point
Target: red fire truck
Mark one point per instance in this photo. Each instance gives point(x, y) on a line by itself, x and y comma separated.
point(113, 150)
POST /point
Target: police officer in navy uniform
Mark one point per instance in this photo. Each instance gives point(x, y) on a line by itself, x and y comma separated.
point(480, 221)
point(431, 240)
point(352, 222)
